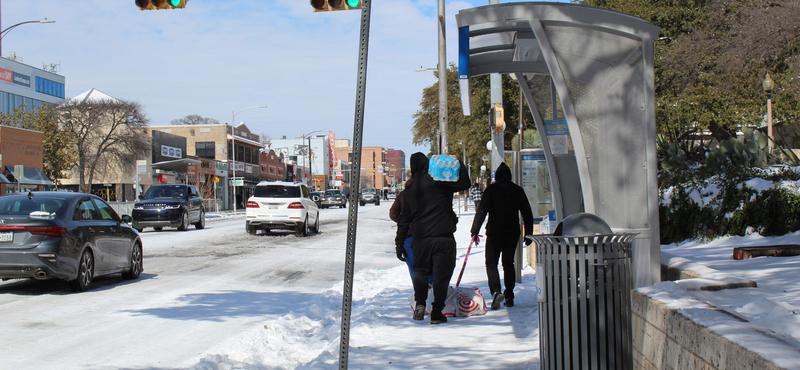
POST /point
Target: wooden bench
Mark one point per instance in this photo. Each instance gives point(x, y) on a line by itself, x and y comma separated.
point(786, 250)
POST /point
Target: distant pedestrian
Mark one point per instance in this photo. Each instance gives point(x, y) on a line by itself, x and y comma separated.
point(503, 201)
point(475, 193)
point(428, 204)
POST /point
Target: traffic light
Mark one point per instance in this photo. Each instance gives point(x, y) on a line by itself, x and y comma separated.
point(160, 4)
point(331, 5)
point(497, 119)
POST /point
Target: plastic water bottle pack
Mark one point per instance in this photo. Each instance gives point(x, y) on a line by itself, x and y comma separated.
point(444, 168)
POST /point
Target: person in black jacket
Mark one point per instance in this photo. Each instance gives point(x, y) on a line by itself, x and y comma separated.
point(428, 204)
point(503, 201)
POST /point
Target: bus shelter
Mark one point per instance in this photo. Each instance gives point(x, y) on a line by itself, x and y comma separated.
point(587, 74)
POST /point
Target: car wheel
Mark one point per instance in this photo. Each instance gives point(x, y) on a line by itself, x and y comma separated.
point(184, 222)
point(316, 224)
point(363, 203)
point(158, 228)
point(85, 272)
point(344, 205)
point(201, 223)
point(303, 229)
point(136, 263)
point(251, 230)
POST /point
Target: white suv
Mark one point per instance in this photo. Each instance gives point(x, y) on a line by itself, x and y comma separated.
point(282, 205)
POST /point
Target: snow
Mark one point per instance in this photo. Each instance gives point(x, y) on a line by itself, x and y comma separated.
point(382, 333)
point(384, 336)
point(772, 308)
point(240, 323)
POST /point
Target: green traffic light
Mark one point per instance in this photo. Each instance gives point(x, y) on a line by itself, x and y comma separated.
point(352, 3)
point(174, 2)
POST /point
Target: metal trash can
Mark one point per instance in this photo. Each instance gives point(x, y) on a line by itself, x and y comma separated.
point(583, 279)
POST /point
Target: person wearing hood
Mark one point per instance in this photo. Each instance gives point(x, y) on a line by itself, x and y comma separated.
point(504, 201)
point(428, 204)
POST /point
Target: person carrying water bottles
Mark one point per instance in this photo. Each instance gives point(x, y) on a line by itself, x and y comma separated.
point(428, 204)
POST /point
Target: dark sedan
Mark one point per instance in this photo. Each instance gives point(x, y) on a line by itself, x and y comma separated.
point(69, 236)
point(333, 198)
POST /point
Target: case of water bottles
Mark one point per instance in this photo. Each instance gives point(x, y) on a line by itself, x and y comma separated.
point(444, 168)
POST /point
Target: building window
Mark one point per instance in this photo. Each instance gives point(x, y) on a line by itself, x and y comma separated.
point(48, 87)
point(204, 149)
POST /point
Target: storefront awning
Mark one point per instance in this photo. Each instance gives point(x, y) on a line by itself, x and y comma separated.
point(30, 175)
point(178, 165)
point(242, 140)
point(4, 180)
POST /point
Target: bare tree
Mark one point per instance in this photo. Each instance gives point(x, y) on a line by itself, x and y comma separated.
point(366, 181)
point(194, 119)
point(266, 139)
point(109, 135)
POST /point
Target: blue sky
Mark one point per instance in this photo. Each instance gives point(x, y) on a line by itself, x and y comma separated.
point(215, 57)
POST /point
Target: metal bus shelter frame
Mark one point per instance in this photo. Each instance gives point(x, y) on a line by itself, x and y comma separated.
point(595, 67)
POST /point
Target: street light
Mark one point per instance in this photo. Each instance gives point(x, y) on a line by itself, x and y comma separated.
point(309, 151)
point(768, 84)
point(233, 148)
point(5, 31)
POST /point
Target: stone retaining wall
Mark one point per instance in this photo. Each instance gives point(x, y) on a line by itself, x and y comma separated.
point(663, 338)
point(668, 338)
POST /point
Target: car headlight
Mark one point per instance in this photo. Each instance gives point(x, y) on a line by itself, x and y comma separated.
point(138, 206)
point(173, 206)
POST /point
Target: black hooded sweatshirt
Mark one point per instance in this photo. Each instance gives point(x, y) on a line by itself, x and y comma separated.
point(428, 203)
point(504, 201)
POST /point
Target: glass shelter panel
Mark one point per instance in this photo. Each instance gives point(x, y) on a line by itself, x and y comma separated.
point(603, 74)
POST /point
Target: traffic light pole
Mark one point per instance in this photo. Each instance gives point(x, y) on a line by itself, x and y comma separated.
point(355, 185)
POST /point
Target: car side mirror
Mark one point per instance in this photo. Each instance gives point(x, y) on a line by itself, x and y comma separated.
point(127, 219)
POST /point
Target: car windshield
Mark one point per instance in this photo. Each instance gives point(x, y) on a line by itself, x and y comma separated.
point(368, 191)
point(161, 192)
point(333, 193)
point(24, 206)
point(276, 191)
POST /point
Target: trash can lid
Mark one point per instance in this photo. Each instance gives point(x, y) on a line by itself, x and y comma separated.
point(582, 224)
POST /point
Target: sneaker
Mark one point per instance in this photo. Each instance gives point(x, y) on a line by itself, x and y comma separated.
point(509, 302)
point(438, 318)
point(496, 300)
point(419, 312)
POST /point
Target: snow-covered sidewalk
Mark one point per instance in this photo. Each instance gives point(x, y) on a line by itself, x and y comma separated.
point(382, 333)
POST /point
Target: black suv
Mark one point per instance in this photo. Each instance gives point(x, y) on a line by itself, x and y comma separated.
point(169, 205)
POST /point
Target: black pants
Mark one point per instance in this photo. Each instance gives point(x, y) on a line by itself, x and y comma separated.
point(437, 257)
point(504, 245)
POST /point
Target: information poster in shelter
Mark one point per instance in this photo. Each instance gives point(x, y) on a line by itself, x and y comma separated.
point(536, 183)
point(557, 135)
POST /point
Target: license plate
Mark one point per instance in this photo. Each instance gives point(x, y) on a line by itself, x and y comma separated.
point(273, 206)
point(6, 237)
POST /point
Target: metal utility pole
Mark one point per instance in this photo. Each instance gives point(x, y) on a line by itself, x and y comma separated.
point(355, 185)
point(442, 69)
point(496, 93)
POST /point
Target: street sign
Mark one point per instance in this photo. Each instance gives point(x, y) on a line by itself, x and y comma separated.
point(237, 182)
point(141, 167)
